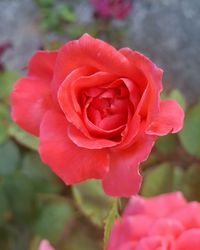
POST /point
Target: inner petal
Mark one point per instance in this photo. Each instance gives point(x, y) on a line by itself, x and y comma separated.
point(112, 121)
point(107, 106)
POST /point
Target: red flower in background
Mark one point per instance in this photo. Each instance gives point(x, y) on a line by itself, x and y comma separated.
point(166, 222)
point(112, 8)
point(96, 110)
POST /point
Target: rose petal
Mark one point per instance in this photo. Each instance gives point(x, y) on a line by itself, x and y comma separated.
point(45, 245)
point(91, 143)
point(133, 91)
point(189, 215)
point(166, 227)
point(71, 87)
point(126, 246)
point(88, 51)
point(170, 119)
point(42, 65)
point(189, 240)
point(150, 79)
point(143, 69)
point(127, 230)
point(100, 132)
point(131, 229)
point(30, 99)
point(167, 204)
point(123, 178)
point(155, 242)
point(71, 163)
point(69, 90)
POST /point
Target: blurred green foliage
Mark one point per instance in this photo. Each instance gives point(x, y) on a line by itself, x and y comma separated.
point(92, 201)
point(55, 16)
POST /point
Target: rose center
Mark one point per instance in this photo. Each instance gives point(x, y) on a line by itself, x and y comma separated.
point(107, 107)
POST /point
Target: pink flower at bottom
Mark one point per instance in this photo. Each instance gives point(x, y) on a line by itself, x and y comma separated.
point(165, 222)
point(45, 245)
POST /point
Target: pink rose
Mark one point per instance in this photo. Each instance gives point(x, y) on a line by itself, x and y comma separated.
point(96, 110)
point(165, 222)
point(45, 245)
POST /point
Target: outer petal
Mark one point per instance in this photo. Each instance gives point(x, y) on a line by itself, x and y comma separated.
point(166, 227)
point(169, 120)
point(45, 245)
point(148, 78)
point(71, 163)
point(42, 65)
point(155, 243)
point(127, 246)
point(189, 240)
point(167, 204)
point(189, 215)
point(129, 229)
point(123, 178)
point(88, 51)
point(144, 70)
point(30, 99)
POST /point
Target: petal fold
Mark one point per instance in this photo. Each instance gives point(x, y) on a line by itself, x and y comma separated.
point(88, 51)
point(169, 120)
point(123, 178)
point(30, 99)
point(71, 163)
point(41, 65)
point(189, 240)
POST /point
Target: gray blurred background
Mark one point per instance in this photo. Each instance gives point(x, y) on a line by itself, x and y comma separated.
point(168, 31)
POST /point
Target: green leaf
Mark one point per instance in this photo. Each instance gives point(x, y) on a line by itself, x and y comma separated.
point(92, 201)
point(38, 173)
point(109, 221)
point(83, 237)
point(35, 242)
point(178, 179)
point(66, 13)
point(45, 3)
point(175, 94)
point(7, 79)
point(190, 134)
point(23, 137)
point(53, 219)
point(20, 193)
point(74, 31)
point(166, 144)
point(191, 182)
point(5, 239)
point(163, 95)
point(4, 206)
point(4, 123)
point(50, 22)
point(9, 155)
point(157, 180)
